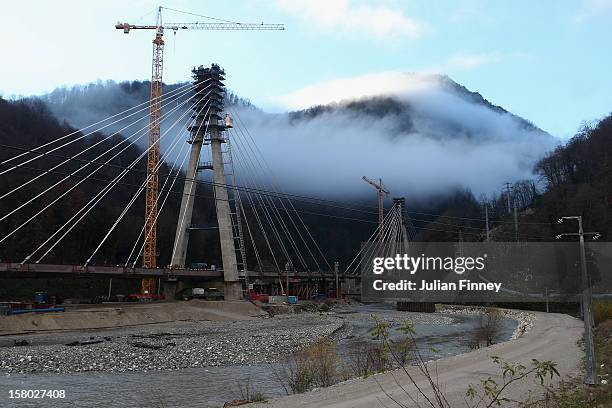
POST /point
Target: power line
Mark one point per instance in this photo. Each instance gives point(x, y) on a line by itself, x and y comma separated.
point(293, 197)
point(103, 192)
point(475, 219)
point(106, 180)
point(305, 199)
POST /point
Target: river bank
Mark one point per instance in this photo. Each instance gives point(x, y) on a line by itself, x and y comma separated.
point(552, 337)
point(201, 363)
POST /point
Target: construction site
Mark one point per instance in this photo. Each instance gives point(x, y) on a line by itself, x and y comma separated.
point(156, 257)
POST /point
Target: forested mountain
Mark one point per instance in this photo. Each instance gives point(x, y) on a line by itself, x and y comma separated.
point(28, 123)
point(574, 179)
point(410, 109)
point(430, 138)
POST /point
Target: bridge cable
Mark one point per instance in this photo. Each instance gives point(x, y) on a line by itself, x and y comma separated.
point(67, 143)
point(161, 190)
point(101, 192)
point(380, 245)
point(250, 179)
point(88, 126)
point(252, 143)
point(194, 177)
point(240, 122)
point(386, 222)
point(276, 212)
point(140, 190)
point(72, 158)
point(167, 195)
point(74, 172)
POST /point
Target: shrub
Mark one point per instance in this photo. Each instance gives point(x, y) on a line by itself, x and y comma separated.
point(367, 358)
point(324, 307)
point(487, 331)
point(313, 366)
point(247, 394)
point(602, 311)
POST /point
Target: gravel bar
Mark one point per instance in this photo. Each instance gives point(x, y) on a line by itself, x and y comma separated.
point(199, 344)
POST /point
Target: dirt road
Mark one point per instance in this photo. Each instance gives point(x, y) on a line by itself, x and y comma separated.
point(553, 337)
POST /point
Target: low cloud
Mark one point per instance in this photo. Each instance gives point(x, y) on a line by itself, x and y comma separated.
point(423, 134)
point(337, 90)
point(431, 141)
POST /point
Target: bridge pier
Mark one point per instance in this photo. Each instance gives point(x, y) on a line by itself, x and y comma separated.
point(170, 288)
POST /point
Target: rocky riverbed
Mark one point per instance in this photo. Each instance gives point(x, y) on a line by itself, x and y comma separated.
point(188, 345)
point(196, 344)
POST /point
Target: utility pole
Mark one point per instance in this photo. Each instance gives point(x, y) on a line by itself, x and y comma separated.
point(508, 189)
point(516, 234)
point(587, 305)
point(487, 221)
point(336, 267)
point(382, 192)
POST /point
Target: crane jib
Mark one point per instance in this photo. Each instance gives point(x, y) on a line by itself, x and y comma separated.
point(201, 26)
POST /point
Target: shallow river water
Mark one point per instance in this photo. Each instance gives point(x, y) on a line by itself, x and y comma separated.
point(211, 387)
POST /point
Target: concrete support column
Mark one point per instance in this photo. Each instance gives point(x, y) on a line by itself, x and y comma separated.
point(181, 239)
point(228, 251)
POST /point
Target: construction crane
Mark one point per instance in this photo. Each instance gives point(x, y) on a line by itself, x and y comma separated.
point(149, 256)
point(382, 192)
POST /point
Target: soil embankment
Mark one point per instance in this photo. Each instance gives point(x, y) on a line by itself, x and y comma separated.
point(108, 316)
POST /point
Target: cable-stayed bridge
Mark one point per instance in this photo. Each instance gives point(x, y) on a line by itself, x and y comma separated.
point(264, 239)
point(254, 215)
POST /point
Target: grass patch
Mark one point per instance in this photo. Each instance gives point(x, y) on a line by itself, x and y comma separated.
point(602, 310)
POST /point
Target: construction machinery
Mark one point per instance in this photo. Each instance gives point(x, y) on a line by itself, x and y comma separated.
point(382, 192)
point(149, 256)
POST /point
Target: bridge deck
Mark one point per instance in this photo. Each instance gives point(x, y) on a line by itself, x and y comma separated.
point(139, 272)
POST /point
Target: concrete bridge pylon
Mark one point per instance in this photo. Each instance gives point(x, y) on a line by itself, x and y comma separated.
point(209, 127)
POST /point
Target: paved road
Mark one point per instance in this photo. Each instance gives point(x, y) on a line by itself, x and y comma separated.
point(553, 337)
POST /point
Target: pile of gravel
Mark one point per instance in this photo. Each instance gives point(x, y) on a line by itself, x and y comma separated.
point(200, 344)
point(396, 317)
point(525, 320)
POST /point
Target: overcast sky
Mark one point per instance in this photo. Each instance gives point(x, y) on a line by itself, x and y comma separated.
point(548, 60)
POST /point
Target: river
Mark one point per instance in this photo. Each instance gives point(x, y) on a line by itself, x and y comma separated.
point(211, 387)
